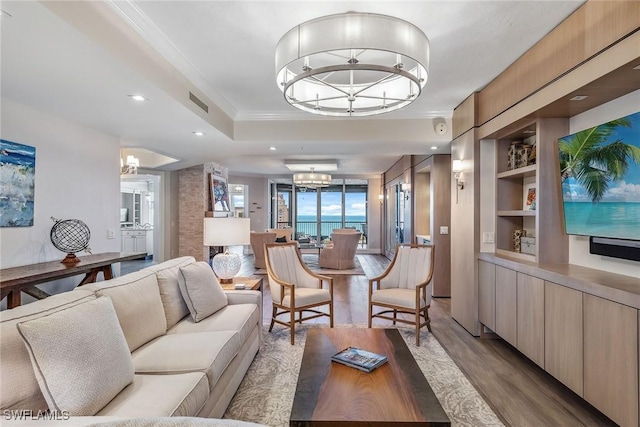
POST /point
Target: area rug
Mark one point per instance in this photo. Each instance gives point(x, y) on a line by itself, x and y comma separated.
point(265, 395)
point(312, 262)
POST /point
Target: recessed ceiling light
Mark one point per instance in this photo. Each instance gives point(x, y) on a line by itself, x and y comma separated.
point(139, 98)
point(578, 98)
point(272, 148)
point(198, 133)
point(434, 148)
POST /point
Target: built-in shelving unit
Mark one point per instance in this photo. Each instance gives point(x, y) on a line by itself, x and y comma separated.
point(544, 221)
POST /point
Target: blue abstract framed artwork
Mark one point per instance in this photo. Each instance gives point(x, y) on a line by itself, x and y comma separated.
point(17, 184)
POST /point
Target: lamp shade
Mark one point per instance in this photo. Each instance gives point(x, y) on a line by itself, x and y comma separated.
point(226, 231)
point(352, 64)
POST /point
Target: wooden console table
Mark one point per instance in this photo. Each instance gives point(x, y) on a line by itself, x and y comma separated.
point(24, 278)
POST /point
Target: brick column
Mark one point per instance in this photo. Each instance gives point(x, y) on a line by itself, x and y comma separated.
point(193, 196)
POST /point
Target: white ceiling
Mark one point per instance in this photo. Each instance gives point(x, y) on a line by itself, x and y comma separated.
point(80, 60)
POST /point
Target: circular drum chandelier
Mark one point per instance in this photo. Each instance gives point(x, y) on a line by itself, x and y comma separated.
point(312, 179)
point(352, 64)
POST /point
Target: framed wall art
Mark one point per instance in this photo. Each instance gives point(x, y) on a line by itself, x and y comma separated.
point(17, 184)
point(219, 194)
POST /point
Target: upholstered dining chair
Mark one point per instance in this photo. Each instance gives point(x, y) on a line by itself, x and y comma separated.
point(341, 255)
point(295, 288)
point(405, 287)
point(258, 240)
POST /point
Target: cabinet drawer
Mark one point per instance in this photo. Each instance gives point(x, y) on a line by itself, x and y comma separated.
point(133, 233)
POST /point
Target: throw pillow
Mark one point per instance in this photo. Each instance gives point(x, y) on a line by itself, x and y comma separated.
point(80, 356)
point(281, 240)
point(201, 290)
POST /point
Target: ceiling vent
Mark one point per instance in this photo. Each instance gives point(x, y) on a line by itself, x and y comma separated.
point(198, 102)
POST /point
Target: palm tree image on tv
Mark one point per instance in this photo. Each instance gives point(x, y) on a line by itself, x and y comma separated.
point(600, 173)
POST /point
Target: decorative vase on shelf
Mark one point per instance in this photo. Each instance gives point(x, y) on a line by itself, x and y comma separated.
point(511, 154)
point(522, 155)
point(517, 234)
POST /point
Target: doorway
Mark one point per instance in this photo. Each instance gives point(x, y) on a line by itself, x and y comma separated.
point(140, 225)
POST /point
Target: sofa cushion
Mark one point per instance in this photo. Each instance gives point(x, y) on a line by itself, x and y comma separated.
point(19, 387)
point(201, 290)
point(240, 318)
point(79, 355)
point(136, 298)
point(208, 352)
point(181, 395)
point(167, 274)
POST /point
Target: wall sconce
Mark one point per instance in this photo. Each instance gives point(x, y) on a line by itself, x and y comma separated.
point(132, 165)
point(405, 187)
point(381, 198)
point(457, 170)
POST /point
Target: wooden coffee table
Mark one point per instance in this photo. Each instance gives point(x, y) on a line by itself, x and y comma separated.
point(330, 393)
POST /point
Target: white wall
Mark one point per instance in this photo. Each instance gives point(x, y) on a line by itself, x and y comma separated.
point(76, 176)
point(257, 202)
point(579, 246)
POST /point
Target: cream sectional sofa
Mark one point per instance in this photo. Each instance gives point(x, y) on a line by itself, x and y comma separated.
point(179, 368)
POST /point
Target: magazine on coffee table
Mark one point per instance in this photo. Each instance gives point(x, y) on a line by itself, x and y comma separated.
point(359, 359)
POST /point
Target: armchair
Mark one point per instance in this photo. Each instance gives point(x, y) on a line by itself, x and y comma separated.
point(282, 232)
point(341, 255)
point(405, 287)
point(258, 240)
point(295, 288)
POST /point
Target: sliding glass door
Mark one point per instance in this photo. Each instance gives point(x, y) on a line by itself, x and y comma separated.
point(317, 212)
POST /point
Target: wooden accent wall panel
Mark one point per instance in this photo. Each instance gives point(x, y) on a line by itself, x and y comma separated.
point(563, 342)
point(552, 242)
point(506, 305)
point(440, 185)
point(487, 294)
point(593, 27)
point(611, 359)
point(530, 315)
point(464, 115)
point(464, 235)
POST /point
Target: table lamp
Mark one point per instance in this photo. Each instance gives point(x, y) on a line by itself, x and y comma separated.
point(226, 232)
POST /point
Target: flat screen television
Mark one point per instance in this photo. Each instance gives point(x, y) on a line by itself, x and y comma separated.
point(600, 175)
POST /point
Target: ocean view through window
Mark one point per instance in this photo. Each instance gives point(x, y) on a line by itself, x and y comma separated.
point(317, 212)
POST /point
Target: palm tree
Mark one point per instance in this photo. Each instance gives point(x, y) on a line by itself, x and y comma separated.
point(594, 165)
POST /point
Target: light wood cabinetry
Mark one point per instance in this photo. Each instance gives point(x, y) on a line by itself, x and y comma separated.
point(579, 324)
point(611, 359)
point(512, 185)
point(563, 334)
point(530, 317)
point(487, 294)
point(506, 303)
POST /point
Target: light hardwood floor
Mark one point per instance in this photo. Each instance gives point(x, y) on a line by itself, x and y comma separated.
point(519, 392)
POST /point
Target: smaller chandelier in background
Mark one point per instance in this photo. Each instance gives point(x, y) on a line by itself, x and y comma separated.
point(131, 168)
point(352, 64)
point(312, 179)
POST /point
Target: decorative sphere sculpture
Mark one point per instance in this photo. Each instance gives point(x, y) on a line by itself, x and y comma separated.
point(71, 236)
